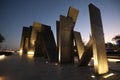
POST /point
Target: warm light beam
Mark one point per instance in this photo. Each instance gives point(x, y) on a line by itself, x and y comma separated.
point(113, 60)
point(30, 52)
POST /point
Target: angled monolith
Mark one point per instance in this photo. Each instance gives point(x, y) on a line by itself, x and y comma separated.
point(99, 53)
point(87, 55)
point(45, 44)
point(73, 13)
point(24, 45)
point(79, 44)
point(65, 36)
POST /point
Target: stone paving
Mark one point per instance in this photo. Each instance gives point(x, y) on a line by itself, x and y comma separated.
point(15, 67)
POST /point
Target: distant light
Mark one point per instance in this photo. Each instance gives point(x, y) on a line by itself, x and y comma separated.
point(113, 60)
point(56, 64)
point(46, 62)
point(93, 76)
point(89, 64)
point(2, 57)
point(108, 75)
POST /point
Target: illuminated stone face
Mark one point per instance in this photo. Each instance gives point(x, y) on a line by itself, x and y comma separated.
point(37, 27)
point(99, 54)
point(87, 55)
point(79, 44)
point(73, 13)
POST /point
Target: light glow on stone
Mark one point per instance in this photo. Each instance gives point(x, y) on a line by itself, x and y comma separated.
point(33, 42)
point(30, 52)
point(30, 56)
point(59, 56)
point(20, 51)
point(2, 78)
point(108, 75)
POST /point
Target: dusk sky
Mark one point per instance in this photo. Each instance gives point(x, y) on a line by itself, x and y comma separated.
point(14, 14)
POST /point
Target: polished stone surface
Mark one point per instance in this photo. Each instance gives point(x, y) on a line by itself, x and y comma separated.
point(27, 68)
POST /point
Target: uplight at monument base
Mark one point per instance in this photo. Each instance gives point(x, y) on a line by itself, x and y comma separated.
point(30, 54)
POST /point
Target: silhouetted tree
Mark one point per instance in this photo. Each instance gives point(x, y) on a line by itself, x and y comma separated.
point(109, 45)
point(117, 39)
point(1, 38)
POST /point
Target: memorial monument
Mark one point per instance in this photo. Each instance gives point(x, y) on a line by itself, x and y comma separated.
point(99, 53)
point(38, 40)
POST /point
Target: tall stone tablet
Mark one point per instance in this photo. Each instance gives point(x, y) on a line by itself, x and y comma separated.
point(65, 36)
point(73, 13)
point(65, 42)
point(99, 53)
point(79, 44)
point(36, 27)
point(45, 44)
point(24, 45)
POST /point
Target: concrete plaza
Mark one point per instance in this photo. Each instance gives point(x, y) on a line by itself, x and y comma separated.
point(16, 67)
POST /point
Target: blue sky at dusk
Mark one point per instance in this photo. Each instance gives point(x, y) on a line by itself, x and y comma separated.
point(14, 14)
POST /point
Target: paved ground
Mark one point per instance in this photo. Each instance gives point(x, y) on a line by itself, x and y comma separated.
point(23, 68)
